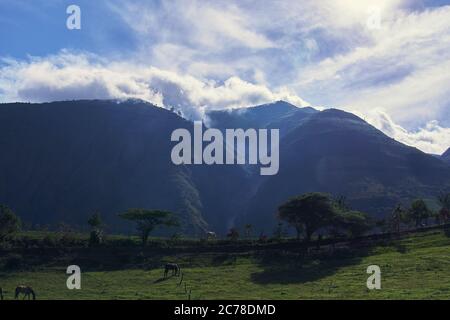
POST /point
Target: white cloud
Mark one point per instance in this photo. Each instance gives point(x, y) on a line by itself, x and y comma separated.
point(321, 49)
point(208, 25)
point(81, 76)
point(195, 55)
point(69, 76)
point(403, 68)
point(431, 138)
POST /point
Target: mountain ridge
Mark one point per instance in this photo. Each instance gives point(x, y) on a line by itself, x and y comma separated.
point(63, 160)
point(446, 155)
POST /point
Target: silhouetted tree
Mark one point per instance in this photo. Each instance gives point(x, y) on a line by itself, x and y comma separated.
point(342, 203)
point(147, 220)
point(308, 213)
point(95, 221)
point(279, 231)
point(444, 212)
point(96, 224)
point(418, 212)
point(355, 223)
point(233, 234)
point(398, 216)
point(9, 222)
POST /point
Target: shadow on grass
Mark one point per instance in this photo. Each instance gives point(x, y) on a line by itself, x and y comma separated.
point(288, 268)
point(162, 279)
point(401, 248)
point(447, 232)
point(223, 259)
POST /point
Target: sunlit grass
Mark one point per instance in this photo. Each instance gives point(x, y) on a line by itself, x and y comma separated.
point(417, 267)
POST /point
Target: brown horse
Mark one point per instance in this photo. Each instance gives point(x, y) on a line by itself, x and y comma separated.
point(26, 291)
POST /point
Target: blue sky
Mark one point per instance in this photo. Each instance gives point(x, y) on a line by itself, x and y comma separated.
point(386, 60)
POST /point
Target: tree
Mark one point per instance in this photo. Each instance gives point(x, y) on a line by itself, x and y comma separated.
point(444, 200)
point(396, 218)
point(278, 233)
point(444, 212)
point(356, 223)
point(147, 220)
point(233, 234)
point(95, 221)
point(418, 212)
point(341, 203)
point(308, 212)
point(9, 222)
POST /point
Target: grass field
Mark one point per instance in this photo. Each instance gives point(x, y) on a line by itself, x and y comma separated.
point(416, 266)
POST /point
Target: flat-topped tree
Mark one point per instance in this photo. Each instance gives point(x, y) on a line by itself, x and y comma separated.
point(147, 220)
point(354, 223)
point(308, 212)
point(311, 212)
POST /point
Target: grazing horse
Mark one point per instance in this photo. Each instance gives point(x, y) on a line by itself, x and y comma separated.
point(176, 270)
point(26, 291)
point(211, 235)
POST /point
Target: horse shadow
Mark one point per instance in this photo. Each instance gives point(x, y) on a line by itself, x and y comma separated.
point(162, 279)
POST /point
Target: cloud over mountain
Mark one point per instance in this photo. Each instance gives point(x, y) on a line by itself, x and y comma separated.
point(431, 138)
point(81, 76)
point(197, 55)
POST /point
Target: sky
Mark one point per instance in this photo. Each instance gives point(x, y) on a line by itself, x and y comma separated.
point(388, 61)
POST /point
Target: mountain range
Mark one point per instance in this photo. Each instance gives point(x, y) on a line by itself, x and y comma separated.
point(63, 160)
